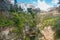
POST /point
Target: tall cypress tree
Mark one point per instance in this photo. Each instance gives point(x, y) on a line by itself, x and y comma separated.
point(59, 6)
point(59, 3)
point(15, 3)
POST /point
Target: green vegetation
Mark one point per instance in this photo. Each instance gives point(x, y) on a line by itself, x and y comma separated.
point(19, 20)
point(5, 22)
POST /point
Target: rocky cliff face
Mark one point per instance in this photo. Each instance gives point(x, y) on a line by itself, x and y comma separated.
point(55, 10)
point(48, 33)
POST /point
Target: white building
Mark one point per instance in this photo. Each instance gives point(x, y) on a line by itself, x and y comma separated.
point(23, 6)
point(12, 1)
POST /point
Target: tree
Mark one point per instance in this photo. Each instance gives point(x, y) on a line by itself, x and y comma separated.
point(18, 23)
point(59, 6)
point(20, 19)
point(1, 0)
point(32, 24)
point(56, 28)
point(59, 3)
point(4, 22)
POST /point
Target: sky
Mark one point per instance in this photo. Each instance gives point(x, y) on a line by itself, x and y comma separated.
point(42, 4)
